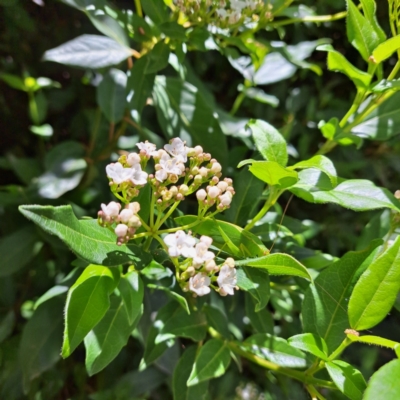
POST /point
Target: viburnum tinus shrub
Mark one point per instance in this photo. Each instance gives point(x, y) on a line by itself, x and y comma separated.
point(191, 283)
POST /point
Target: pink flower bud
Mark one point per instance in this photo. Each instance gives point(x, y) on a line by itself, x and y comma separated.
point(201, 194)
point(216, 167)
point(125, 215)
point(213, 191)
point(198, 150)
point(134, 207)
point(121, 230)
point(226, 199)
point(203, 171)
point(222, 186)
point(133, 158)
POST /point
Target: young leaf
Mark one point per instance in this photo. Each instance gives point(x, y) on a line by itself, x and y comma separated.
point(322, 163)
point(383, 383)
point(324, 308)
point(131, 291)
point(376, 290)
point(155, 10)
point(89, 51)
point(369, 9)
point(386, 49)
point(277, 264)
point(273, 173)
point(256, 282)
point(310, 343)
point(85, 238)
point(87, 302)
point(104, 342)
point(41, 340)
point(211, 362)
point(360, 32)
point(269, 142)
point(275, 349)
point(111, 95)
point(385, 85)
point(349, 380)
point(181, 375)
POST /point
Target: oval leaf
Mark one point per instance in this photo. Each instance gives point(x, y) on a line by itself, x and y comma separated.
point(311, 343)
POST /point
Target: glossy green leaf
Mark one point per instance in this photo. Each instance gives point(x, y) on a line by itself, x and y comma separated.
point(259, 95)
point(376, 290)
point(275, 349)
point(173, 295)
point(157, 58)
point(386, 49)
point(155, 10)
point(322, 163)
point(85, 238)
point(269, 142)
point(182, 110)
point(349, 380)
point(17, 250)
point(211, 362)
point(382, 123)
point(104, 342)
point(261, 320)
point(55, 291)
point(311, 344)
point(41, 340)
point(173, 30)
point(255, 281)
point(7, 325)
point(360, 32)
point(272, 173)
point(181, 375)
point(369, 10)
point(385, 85)
point(131, 290)
point(383, 383)
point(339, 63)
point(89, 51)
point(111, 95)
point(277, 264)
point(325, 303)
point(217, 320)
point(87, 303)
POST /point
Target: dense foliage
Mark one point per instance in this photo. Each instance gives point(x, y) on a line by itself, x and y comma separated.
point(199, 200)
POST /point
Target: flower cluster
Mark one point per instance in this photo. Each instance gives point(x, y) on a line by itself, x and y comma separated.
point(227, 12)
point(199, 269)
point(179, 171)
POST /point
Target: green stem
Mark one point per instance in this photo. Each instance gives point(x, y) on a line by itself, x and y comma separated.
point(239, 99)
point(180, 228)
point(316, 19)
point(138, 6)
point(346, 342)
point(147, 243)
point(145, 226)
point(167, 215)
point(272, 198)
point(152, 201)
point(314, 393)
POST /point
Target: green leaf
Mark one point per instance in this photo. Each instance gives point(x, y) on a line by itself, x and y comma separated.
point(182, 110)
point(211, 362)
point(277, 264)
point(181, 375)
point(85, 238)
point(256, 282)
point(376, 290)
point(324, 308)
point(87, 303)
point(275, 349)
point(131, 291)
point(360, 32)
point(41, 340)
point(355, 194)
point(339, 63)
point(369, 9)
point(382, 123)
point(173, 30)
point(322, 163)
point(7, 325)
point(104, 342)
point(55, 291)
point(89, 51)
point(385, 85)
point(173, 295)
point(269, 142)
point(155, 10)
point(217, 320)
point(157, 58)
point(261, 321)
point(17, 249)
point(259, 95)
point(111, 95)
point(386, 49)
point(14, 81)
point(382, 384)
point(375, 340)
point(311, 344)
point(349, 380)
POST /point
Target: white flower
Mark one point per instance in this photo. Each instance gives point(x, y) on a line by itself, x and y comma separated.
point(148, 148)
point(118, 173)
point(207, 240)
point(202, 254)
point(111, 209)
point(168, 166)
point(226, 199)
point(138, 176)
point(121, 230)
point(177, 149)
point(227, 279)
point(199, 284)
point(125, 215)
point(180, 244)
point(238, 5)
point(132, 159)
point(222, 13)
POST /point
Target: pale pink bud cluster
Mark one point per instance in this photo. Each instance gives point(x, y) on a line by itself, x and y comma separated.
point(219, 193)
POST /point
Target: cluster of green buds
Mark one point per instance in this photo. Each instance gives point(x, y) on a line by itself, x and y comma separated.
point(178, 171)
point(198, 271)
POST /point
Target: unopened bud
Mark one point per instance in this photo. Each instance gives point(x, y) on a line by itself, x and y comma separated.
point(183, 189)
point(397, 194)
point(134, 222)
point(121, 230)
point(203, 171)
point(134, 207)
point(125, 215)
point(216, 167)
point(222, 186)
point(230, 262)
point(198, 150)
point(132, 159)
point(198, 179)
point(201, 194)
point(213, 191)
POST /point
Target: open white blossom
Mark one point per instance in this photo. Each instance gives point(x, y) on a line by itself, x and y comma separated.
point(138, 177)
point(177, 149)
point(147, 147)
point(168, 166)
point(118, 173)
point(179, 243)
point(202, 254)
point(111, 209)
point(227, 279)
point(199, 284)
